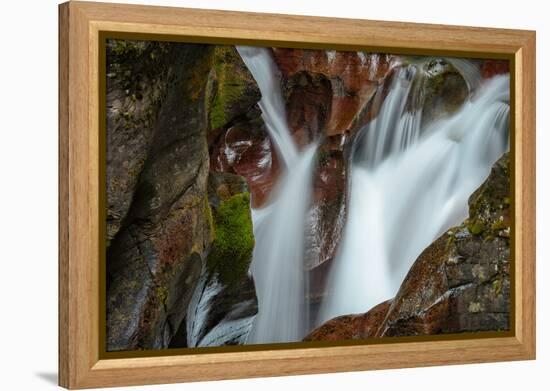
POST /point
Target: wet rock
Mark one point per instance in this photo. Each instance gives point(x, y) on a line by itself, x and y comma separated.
point(348, 327)
point(155, 259)
point(224, 302)
point(353, 76)
point(308, 101)
point(245, 149)
point(326, 217)
point(139, 74)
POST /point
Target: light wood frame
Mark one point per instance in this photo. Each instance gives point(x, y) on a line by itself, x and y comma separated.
point(80, 24)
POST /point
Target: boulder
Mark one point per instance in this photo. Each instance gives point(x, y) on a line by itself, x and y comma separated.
point(349, 327)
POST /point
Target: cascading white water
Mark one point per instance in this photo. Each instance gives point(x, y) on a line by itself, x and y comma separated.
point(408, 185)
point(264, 70)
point(277, 265)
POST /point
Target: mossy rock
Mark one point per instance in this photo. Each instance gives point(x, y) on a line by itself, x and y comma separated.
point(490, 204)
point(233, 244)
point(232, 89)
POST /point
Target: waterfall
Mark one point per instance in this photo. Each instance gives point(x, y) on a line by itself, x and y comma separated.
point(409, 185)
point(277, 264)
point(265, 72)
point(394, 128)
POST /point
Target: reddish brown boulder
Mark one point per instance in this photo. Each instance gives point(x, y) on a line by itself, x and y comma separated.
point(245, 149)
point(351, 326)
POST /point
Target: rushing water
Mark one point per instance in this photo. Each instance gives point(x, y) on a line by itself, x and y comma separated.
point(409, 185)
point(277, 265)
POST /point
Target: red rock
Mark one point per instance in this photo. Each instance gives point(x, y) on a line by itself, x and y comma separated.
point(354, 78)
point(246, 150)
point(351, 326)
point(490, 68)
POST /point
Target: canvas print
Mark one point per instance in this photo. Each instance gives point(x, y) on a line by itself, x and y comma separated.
point(259, 195)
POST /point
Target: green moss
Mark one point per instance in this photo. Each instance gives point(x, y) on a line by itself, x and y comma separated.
point(162, 294)
point(200, 77)
point(230, 83)
point(497, 286)
point(209, 218)
point(476, 227)
point(233, 239)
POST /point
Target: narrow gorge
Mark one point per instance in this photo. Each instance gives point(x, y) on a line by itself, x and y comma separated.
point(271, 195)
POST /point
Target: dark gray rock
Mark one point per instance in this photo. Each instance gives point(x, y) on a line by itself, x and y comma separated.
point(160, 228)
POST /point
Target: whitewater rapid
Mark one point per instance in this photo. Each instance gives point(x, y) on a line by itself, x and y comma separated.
point(408, 186)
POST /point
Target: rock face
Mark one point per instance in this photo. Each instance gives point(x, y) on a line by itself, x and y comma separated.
point(338, 85)
point(135, 93)
point(224, 302)
point(161, 232)
point(460, 283)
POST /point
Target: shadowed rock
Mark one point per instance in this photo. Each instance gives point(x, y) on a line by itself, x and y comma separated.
point(154, 260)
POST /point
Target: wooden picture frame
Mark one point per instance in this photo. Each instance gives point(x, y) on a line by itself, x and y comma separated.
point(81, 24)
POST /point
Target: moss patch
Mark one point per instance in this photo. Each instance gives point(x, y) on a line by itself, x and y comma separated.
point(232, 83)
point(233, 239)
point(162, 295)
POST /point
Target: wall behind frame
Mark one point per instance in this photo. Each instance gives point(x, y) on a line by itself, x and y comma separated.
point(28, 200)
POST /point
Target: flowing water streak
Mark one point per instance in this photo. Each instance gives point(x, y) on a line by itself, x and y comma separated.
point(468, 70)
point(277, 265)
point(408, 188)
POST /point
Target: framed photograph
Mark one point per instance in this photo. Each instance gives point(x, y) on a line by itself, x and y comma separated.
point(246, 195)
